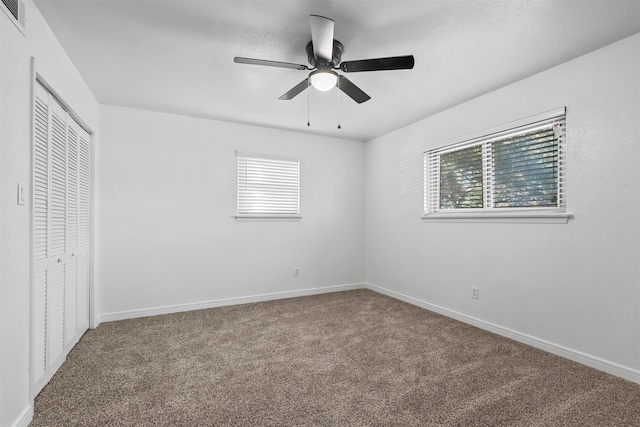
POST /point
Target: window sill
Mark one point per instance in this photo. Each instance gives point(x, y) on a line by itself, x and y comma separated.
point(267, 218)
point(522, 218)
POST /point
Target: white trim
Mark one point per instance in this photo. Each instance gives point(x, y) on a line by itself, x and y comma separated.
point(267, 156)
point(59, 99)
point(471, 138)
point(145, 312)
point(24, 418)
point(514, 218)
point(19, 22)
point(94, 236)
point(551, 121)
point(574, 355)
point(493, 137)
point(283, 218)
point(31, 268)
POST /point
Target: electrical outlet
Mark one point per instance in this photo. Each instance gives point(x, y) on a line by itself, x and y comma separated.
point(474, 293)
point(296, 272)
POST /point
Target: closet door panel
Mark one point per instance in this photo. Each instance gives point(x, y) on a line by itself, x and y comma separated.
point(39, 331)
point(40, 234)
point(71, 291)
point(83, 292)
point(57, 189)
point(40, 176)
point(55, 317)
point(57, 235)
point(70, 303)
point(84, 217)
point(84, 186)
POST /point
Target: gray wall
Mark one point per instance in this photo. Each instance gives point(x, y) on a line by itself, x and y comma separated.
point(570, 288)
point(55, 68)
point(168, 239)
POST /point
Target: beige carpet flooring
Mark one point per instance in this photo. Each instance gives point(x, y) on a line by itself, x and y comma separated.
point(352, 358)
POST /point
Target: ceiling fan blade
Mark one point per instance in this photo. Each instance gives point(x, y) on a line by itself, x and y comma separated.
point(264, 62)
point(379, 64)
point(352, 90)
point(322, 36)
point(295, 90)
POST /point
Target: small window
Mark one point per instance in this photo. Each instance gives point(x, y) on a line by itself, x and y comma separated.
point(505, 173)
point(267, 187)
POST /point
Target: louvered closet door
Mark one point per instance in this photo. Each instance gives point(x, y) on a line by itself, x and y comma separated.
point(61, 183)
point(40, 244)
point(84, 214)
point(57, 235)
point(71, 267)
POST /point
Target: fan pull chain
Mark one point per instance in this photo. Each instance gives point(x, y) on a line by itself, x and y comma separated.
point(308, 90)
point(339, 127)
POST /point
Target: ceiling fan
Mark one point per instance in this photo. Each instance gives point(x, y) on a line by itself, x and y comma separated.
point(324, 54)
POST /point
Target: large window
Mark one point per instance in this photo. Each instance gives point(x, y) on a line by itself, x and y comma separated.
point(510, 172)
point(267, 186)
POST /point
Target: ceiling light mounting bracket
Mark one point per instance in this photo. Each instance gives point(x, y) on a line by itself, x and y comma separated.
point(338, 50)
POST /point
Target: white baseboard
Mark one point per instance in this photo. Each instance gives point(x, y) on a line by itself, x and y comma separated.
point(155, 311)
point(24, 418)
point(577, 356)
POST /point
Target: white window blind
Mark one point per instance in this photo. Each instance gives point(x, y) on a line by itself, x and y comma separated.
point(267, 186)
point(518, 169)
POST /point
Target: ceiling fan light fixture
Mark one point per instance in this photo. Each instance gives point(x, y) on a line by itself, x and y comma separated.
point(323, 80)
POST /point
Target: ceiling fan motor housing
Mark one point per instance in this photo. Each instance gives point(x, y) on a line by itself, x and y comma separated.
point(320, 63)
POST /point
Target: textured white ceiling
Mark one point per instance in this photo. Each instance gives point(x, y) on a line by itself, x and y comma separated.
point(176, 56)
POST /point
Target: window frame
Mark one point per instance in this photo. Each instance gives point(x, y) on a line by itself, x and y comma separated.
point(489, 213)
point(242, 215)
